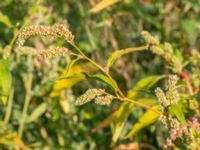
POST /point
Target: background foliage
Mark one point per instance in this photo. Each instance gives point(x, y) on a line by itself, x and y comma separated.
point(38, 109)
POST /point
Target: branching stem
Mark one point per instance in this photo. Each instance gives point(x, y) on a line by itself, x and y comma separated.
point(122, 96)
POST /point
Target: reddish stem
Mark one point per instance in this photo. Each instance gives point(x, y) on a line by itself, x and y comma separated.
point(184, 75)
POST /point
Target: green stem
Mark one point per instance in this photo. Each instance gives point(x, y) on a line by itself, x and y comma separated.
point(101, 68)
point(122, 97)
point(9, 107)
point(140, 104)
point(28, 84)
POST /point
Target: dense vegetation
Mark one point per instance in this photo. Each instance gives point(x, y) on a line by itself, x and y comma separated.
point(100, 74)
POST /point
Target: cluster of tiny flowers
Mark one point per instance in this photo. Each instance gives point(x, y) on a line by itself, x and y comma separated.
point(55, 31)
point(166, 52)
point(98, 95)
point(89, 95)
point(191, 132)
point(48, 53)
point(104, 100)
point(149, 38)
point(172, 94)
point(55, 51)
point(171, 97)
point(26, 50)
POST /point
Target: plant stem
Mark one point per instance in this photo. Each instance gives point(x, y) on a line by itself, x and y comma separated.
point(140, 104)
point(28, 84)
point(101, 68)
point(122, 97)
point(9, 106)
point(186, 78)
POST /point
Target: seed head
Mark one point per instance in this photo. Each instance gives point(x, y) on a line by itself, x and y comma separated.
point(26, 50)
point(157, 50)
point(56, 31)
point(104, 100)
point(163, 101)
point(89, 95)
point(55, 51)
point(149, 38)
point(48, 53)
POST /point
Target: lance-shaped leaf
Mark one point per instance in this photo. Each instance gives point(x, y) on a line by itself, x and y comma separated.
point(104, 79)
point(122, 52)
point(121, 114)
point(102, 5)
point(71, 76)
point(5, 79)
point(176, 110)
point(37, 112)
point(5, 20)
point(146, 119)
point(127, 107)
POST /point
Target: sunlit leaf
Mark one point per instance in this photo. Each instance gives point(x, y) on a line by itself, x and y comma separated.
point(120, 53)
point(64, 104)
point(177, 111)
point(127, 107)
point(10, 139)
point(102, 5)
point(143, 85)
point(5, 19)
point(146, 119)
point(5, 79)
point(37, 112)
point(71, 72)
point(104, 79)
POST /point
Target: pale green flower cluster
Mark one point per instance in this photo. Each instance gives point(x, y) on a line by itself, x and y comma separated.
point(171, 97)
point(48, 53)
point(98, 95)
point(56, 31)
point(166, 52)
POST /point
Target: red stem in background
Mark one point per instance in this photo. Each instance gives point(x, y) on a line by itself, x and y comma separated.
point(184, 75)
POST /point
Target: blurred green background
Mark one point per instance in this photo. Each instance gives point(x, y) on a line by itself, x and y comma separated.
point(54, 122)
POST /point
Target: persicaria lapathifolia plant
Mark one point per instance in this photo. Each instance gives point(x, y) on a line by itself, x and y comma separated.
point(173, 105)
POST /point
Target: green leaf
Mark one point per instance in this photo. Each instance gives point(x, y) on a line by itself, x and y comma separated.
point(5, 79)
point(175, 110)
point(128, 107)
point(5, 19)
point(146, 119)
point(143, 84)
point(120, 53)
point(37, 112)
point(71, 76)
point(102, 5)
point(104, 79)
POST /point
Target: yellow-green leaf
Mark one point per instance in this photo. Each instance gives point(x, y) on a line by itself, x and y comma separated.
point(5, 19)
point(177, 111)
point(102, 5)
point(143, 85)
point(122, 52)
point(37, 112)
point(146, 119)
point(5, 79)
point(127, 107)
point(104, 79)
point(68, 78)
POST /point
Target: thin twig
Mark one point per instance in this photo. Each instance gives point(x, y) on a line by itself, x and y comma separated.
point(139, 104)
point(9, 106)
point(28, 85)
